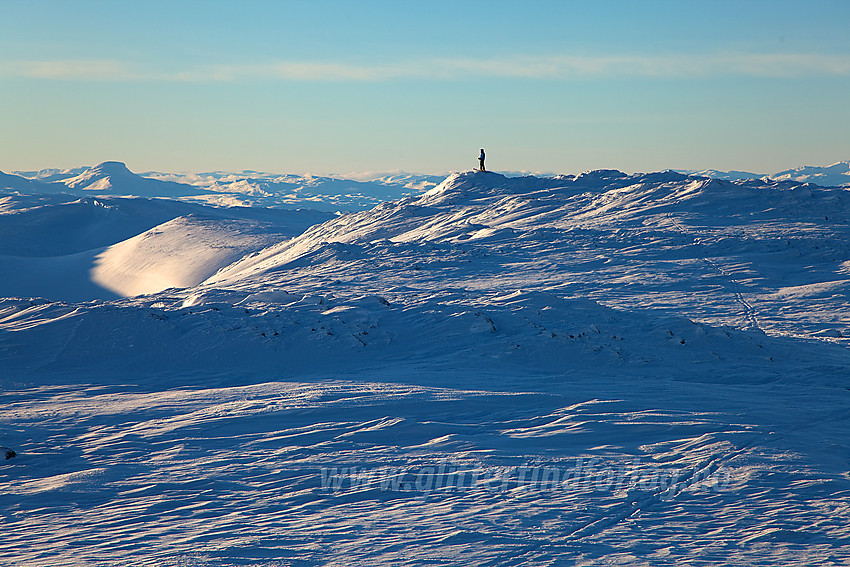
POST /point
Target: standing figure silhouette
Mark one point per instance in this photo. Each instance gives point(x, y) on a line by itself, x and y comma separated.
point(481, 160)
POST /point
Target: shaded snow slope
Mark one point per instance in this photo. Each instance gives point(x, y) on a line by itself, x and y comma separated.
point(59, 224)
point(17, 183)
point(295, 334)
point(66, 277)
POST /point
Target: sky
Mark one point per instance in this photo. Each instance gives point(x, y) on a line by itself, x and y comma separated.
point(337, 87)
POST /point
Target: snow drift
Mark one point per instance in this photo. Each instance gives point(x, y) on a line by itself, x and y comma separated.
point(63, 247)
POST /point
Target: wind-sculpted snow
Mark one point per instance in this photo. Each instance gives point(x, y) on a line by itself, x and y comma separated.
point(62, 247)
point(713, 250)
point(599, 369)
point(296, 334)
point(391, 473)
point(537, 430)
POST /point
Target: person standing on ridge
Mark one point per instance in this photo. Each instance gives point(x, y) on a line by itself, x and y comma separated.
point(481, 161)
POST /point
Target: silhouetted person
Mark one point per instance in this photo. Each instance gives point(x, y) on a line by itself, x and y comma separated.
point(481, 161)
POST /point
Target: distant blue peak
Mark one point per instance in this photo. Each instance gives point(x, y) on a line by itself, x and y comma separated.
point(112, 168)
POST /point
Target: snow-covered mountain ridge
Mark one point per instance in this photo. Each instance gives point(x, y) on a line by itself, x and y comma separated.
point(327, 193)
point(736, 253)
point(837, 174)
point(756, 254)
point(113, 177)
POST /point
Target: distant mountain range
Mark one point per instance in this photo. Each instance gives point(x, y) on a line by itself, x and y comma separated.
point(293, 191)
point(834, 175)
point(247, 188)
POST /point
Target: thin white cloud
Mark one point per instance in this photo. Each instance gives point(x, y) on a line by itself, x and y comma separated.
point(81, 69)
point(551, 67)
point(558, 67)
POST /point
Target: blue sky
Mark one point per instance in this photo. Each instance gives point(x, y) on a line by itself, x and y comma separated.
point(351, 86)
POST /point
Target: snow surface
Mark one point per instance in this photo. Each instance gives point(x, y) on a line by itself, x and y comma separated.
point(600, 369)
point(76, 249)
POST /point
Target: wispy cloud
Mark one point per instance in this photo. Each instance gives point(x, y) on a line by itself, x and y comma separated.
point(557, 67)
point(551, 67)
point(82, 69)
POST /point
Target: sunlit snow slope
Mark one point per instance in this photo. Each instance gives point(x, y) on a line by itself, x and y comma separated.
point(753, 254)
point(62, 247)
point(603, 369)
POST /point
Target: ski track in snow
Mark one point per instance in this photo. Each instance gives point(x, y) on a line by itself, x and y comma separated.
point(749, 311)
point(592, 370)
point(234, 476)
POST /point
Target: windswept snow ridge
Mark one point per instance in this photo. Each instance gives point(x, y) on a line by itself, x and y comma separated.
point(598, 369)
point(758, 254)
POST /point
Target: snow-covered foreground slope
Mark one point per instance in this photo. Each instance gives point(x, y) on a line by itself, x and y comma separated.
point(503, 371)
point(536, 430)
